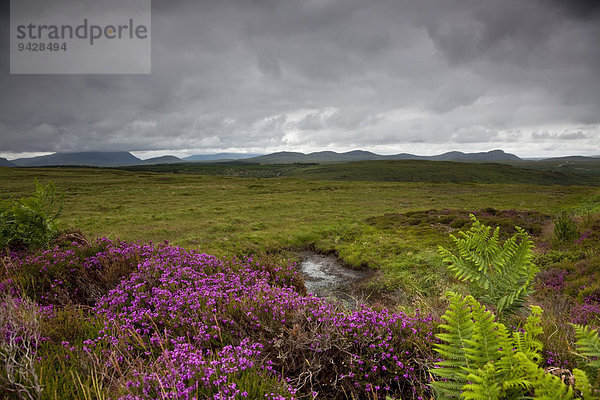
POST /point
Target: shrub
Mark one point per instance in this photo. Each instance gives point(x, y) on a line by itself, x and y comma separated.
point(184, 319)
point(31, 221)
point(75, 274)
point(186, 325)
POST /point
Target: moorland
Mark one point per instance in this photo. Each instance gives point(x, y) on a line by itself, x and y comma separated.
point(240, 321)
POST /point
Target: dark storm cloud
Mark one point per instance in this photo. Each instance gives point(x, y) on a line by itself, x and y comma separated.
point(383, 75)
point(584, 9)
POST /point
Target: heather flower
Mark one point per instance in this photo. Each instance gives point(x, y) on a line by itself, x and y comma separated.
point(184, 324)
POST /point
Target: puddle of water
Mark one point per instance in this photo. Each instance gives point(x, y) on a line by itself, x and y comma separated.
point(325, 276)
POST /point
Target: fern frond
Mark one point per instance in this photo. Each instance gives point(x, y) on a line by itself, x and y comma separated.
point(527, 342)
point(463, 266)
point(486, 340)
point(533, 329)
point(483, 361)
point(447, 390)
point(550, 387)
point(588, 344)
point(458, 329)
point(583, 384)
point(514, 375)
point(483, 385)
point(545, 386)
point(504, 271)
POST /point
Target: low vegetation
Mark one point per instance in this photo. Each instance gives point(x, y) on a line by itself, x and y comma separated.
point(503, 272)
point(387, 171)
point(482, 359)
point(112, 318)
point(184, 324)
point(30, 222)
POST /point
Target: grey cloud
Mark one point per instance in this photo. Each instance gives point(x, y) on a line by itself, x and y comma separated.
point(581, 9)
point(474, 134)
point(270, 65)
point(311, 122)
point(337, 74)
point(571, 136)
point(500, 31)
point(345, 119)
point(456, 93)
point(349, 118)
point(559, 135)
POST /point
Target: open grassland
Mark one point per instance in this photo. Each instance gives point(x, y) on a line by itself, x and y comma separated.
point(228, 216)
point(579, 165)
point(126, 319)
point(443, 172)
point(538, 173)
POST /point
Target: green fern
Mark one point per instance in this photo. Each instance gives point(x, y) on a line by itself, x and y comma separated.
point(483, 385)
point(527, 342)
point(588, 347)
point(482, 360)
point(504, 271)
point(588, 344)
point(582, 383)
point(487, 340)
point(471, 340)
point(545, 386)
point(459, 330)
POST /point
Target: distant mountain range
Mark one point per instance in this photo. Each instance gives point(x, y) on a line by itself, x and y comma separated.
point(113, 159)
point(220, 157)
point(360, 155)
point(89, 158)
point(5, 163)
point(122, 158)
point(490, 156)
point(160, 160)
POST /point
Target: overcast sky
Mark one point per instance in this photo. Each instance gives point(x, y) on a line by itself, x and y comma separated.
point(390, 76)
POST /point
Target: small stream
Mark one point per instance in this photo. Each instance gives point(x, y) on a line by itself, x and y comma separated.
point(325, 276)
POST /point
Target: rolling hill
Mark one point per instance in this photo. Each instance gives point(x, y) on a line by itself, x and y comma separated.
point(489, 156)
point(285, 157)
point(5, 163)
point(90, 158)
point(220, 156)
point(441, 172)
point(161, 160)
point(578, 165)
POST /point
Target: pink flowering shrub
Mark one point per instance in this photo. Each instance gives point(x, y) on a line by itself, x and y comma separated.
point(175, 324)
point(205, 321)
point(588, 312)
point(553, 278)
point(73, 274)
point(574, 288)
